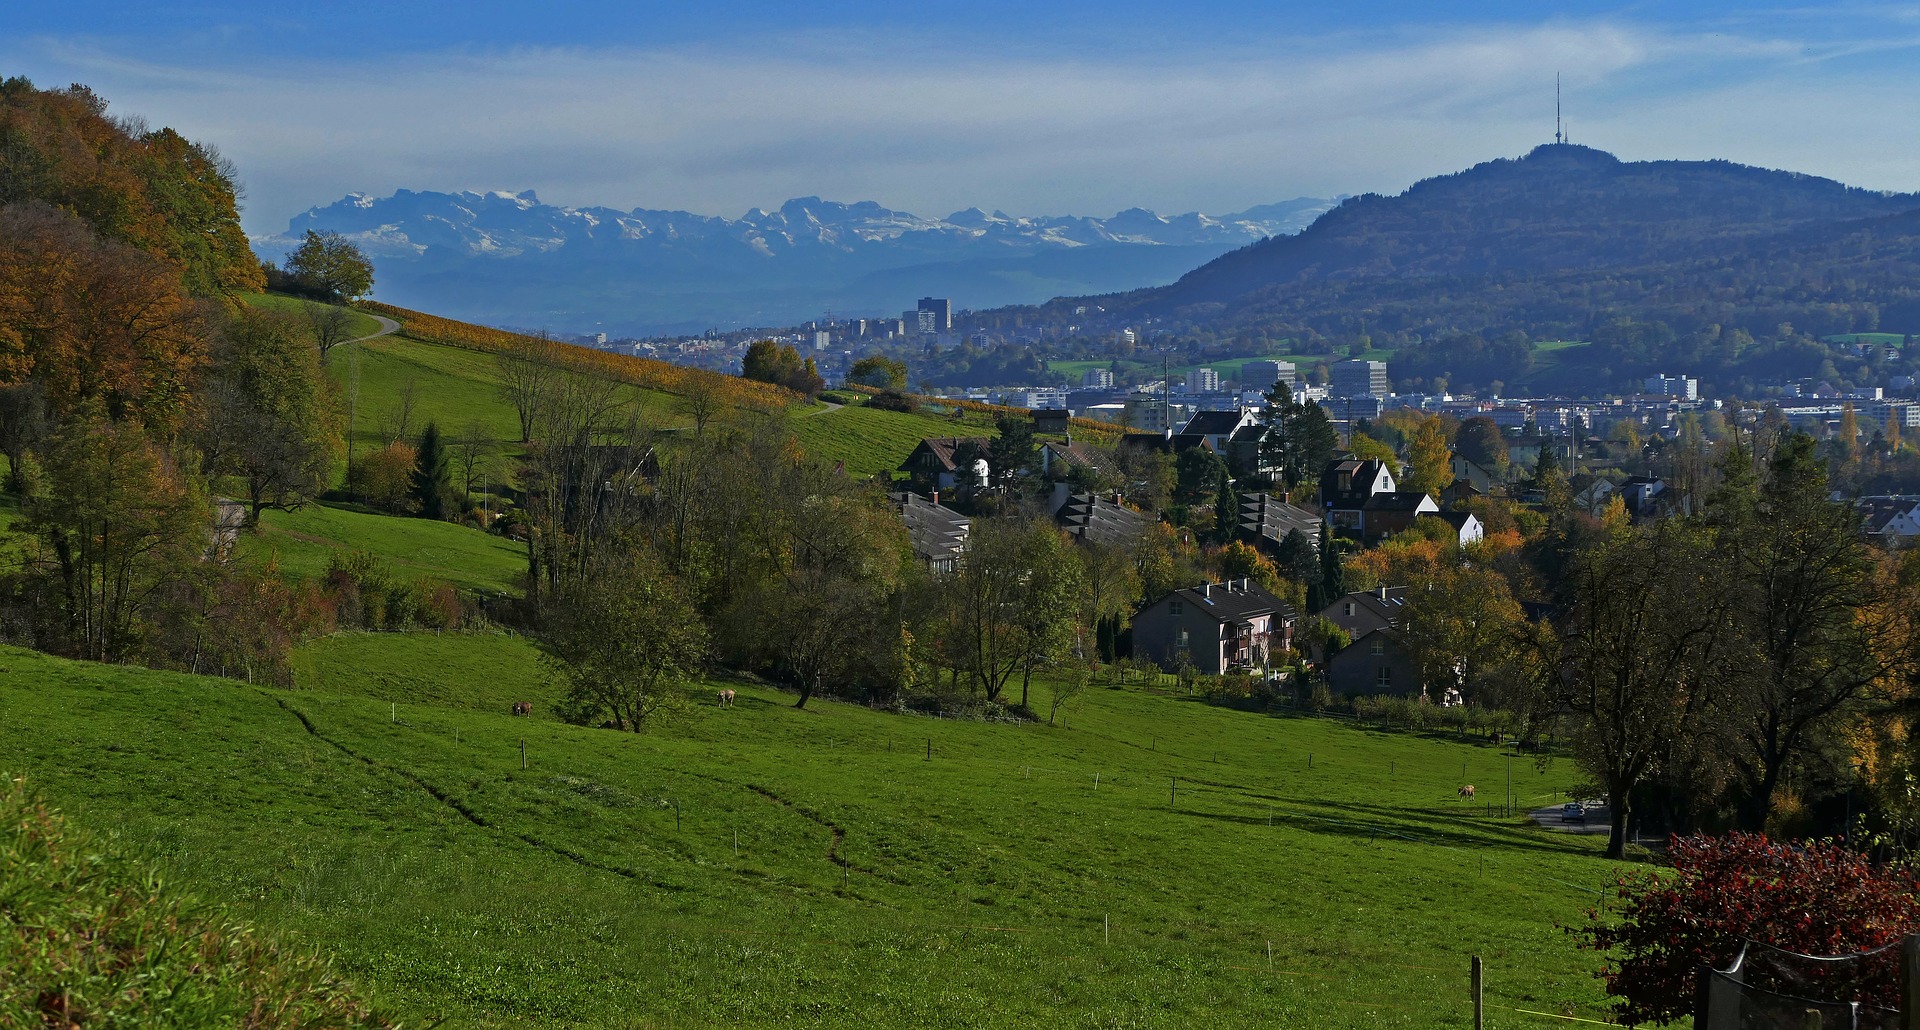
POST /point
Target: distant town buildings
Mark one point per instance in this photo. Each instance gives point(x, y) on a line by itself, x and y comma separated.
point(1126, 338)
point(935, 315)
point(1203, 380)
point(1098, 379)
point(1261, 375)
point(1358, 378)
point(1674, 386)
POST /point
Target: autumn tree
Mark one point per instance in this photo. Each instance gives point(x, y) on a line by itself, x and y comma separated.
point(624, 640)
point(1429, 457)
point(328, 264)
point(879, 371)
point(1480, 441)
point(268, 414)
point(1801, 585)
point(117, 522)
point(95, 324)
point(529, 366)
point(1648, 631)
point(330, 324)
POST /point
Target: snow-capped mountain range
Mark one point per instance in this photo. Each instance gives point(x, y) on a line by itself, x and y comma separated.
point(509, 258)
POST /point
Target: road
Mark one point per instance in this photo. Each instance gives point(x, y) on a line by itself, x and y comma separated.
point(387, 327)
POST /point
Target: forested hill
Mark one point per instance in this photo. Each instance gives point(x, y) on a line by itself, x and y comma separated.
point(152, 189)
point(1552, 242)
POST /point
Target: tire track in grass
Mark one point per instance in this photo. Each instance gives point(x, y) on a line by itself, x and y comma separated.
point(836, 853)
point(461, 807)
point(562, 851)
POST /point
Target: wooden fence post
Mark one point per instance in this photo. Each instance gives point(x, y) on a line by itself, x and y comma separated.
point(1479, 1014)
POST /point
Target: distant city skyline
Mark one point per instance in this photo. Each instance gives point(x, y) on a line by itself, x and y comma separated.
point(1076, 108)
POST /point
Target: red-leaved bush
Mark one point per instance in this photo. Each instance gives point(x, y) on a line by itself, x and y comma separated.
point(1813, 898)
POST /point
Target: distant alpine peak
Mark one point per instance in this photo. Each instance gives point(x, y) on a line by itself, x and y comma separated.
point(506, 223)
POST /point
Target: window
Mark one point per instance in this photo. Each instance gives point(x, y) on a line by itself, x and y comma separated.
point(1379, 647)
point(1176, 608)
point(1180, 639)
point(1349, 609)
point(1385, 677)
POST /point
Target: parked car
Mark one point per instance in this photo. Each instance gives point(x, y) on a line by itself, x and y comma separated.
point(1573, 812)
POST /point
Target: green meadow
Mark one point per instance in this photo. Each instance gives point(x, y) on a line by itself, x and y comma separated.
point(304, 542)
point(1157, 860)
point(871, 440)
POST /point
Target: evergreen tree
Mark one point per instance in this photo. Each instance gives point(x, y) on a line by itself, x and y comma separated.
point(432, 477)
point(1333, 578)
point(1226, 510)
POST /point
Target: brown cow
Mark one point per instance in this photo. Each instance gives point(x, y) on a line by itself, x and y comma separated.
point(1466, 792)
point(523, 708)
point(726, 699)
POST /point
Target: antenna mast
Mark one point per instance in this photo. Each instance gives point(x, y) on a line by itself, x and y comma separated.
point(1558, 135)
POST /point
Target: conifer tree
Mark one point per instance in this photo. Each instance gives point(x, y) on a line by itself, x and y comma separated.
point(432, 476)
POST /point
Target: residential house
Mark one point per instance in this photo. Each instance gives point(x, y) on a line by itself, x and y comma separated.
point(1590, 492)
point(1218, 427)
point(938, 534)
point(1466, 526)
point(1266, 520)
point(1051, 420)
point(1473, 475)
point(934, 463)
point(1376, 663)
point(1345, 487)
point(1460, 493)
point(1245, 456)
point(1647, 497)
point(1361, 612)
point(1894, 520)
point(1093, 518)
point(1058, 458)
point(1215, 627)
point(1392, 512)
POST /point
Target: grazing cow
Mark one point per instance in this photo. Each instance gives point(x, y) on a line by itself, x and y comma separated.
point(523, 708)
point(1466, 792)
point(726, 699)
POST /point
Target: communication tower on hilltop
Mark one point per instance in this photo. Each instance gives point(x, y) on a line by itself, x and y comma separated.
point(1559, 136)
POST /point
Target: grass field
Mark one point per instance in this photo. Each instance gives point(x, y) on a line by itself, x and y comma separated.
point(305, 541)
point(870, 440)
point(826, 867)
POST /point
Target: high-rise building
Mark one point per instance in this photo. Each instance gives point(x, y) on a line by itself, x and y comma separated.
point(1203, 380)
point(1261, 375)
point(1098, 379)
point(1358, 378)
point(1674, 386)
point(940, 309)
point(822, 340)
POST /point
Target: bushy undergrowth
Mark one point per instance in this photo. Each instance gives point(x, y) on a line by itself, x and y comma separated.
point(90, 939)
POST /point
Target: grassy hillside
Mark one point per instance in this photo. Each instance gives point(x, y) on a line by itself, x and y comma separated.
point(832, 866)
point(304, 542)
point(871, 440)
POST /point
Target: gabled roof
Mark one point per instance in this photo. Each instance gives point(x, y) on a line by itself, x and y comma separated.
point(1233, 601)
point(1268, 516)
point(1213, 423)
point(939, 450)
point(1399, 500)
point(938, 533)
point(1387, 602)
point(1072, 453)
point(1091, 518)
point(1387, 633)
point(1252, 432)
point(1187, 441)
point(1457, 519)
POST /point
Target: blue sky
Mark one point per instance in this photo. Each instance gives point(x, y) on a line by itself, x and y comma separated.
point(1032, 108)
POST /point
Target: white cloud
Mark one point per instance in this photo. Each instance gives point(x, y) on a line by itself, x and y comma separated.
point(935, 128)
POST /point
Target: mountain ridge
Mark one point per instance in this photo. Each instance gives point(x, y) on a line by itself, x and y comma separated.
point(508, 257)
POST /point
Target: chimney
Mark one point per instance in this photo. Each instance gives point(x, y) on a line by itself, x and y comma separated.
point(936, 498)
point(1383, 593)
point(1206, 591)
